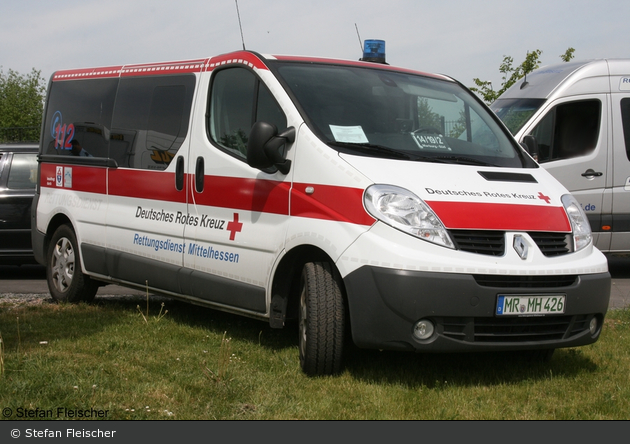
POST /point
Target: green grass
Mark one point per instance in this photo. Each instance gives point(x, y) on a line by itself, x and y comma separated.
point(196, 363)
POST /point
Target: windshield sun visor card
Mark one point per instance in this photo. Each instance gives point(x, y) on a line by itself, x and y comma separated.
point(430, 141)
point(348, 134)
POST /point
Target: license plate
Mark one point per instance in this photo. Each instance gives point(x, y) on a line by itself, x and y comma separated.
point(530, 305)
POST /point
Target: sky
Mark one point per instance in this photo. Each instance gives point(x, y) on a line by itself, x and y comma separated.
point(461, 38)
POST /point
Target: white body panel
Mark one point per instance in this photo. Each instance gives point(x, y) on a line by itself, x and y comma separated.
point(605, 195)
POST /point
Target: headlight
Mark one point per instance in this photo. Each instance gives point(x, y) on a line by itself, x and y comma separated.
point(582, 235)
point(402, 209)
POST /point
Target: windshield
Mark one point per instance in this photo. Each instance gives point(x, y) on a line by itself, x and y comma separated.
point(516, 112)
point(382, 113)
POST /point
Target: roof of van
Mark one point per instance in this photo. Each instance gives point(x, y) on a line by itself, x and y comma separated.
point(249, 58)
point(571, 78)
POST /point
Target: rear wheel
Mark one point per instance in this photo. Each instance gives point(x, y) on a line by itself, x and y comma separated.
point(321, 319)
point(66, 281)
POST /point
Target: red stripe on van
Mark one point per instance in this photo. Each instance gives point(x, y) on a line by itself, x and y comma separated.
point(263, 196)
point(240, 57)
point(360, 64)
point(86, 179)
point(333, 203)
point(144, 184)
point(330, 203)
point(87, 73)
point(145, 69)
point(490, 216)
point(326, 202)
point(180, 67)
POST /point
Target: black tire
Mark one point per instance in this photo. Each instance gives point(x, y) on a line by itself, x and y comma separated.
point(321, 320)
point(66, 281)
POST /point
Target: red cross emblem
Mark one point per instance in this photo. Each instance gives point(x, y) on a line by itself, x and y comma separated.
point(543, 197)
point(234, 227)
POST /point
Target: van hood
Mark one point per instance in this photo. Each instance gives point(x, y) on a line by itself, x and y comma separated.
point(476, 198)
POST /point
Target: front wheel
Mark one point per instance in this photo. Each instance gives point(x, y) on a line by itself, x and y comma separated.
point(321, 319)
point(66, 281)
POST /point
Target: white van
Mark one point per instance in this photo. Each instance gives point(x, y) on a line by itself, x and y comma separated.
point(578, 114)
point(352, 197)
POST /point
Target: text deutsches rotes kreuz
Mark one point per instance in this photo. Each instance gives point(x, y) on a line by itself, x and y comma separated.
point(487, 194)
point(201, 220)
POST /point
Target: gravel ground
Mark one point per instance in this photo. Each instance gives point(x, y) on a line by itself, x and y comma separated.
point(24, 299)
point(14, 300)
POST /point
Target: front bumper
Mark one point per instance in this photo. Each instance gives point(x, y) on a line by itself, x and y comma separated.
point(385, 303)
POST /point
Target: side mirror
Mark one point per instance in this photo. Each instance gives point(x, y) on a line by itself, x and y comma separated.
point(263, 147)
point(531, 146)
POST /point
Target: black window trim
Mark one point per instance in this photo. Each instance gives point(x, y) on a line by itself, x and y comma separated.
point(254, 107)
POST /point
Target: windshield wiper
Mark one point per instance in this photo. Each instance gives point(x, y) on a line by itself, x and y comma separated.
point(370, 147)
point(390, 152)
point(465, 160)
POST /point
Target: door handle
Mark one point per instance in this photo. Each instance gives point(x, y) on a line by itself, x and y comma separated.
point(590, 173)
point(199, 175)
point(179, 173)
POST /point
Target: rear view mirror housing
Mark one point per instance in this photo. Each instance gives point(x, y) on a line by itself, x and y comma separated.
point(531, 146)
point(264, 144)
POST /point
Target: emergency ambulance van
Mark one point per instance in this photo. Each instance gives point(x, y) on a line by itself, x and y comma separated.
point(366, 202)
point(576, 117)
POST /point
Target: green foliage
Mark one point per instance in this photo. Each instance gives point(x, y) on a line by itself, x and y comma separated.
point(21, 99)
point(512, 74)
point(432, 120)
point(237, 141)
point(568, 55)
point(426, 117)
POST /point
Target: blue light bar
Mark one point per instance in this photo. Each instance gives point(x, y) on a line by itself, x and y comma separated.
point(374, 51)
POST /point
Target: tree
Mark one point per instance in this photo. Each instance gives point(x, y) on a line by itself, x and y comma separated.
point(568, 55)
point(512, 74)
point(21, 101)
point(426, 117)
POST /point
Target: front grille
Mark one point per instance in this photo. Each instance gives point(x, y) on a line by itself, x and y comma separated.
point(492, 243)
point(511, 281)
point(514, 329)
point(552, 244)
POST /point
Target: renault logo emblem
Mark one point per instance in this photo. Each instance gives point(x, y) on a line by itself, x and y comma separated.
point(520, 245)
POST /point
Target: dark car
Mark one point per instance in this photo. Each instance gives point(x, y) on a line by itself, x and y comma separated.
point(18, 178)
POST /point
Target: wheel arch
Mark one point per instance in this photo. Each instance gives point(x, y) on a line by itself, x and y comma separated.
point(58, 220)
point(286, 282)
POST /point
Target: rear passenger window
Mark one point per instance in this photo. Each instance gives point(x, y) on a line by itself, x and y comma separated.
point(79, 110)
point(151, 120)
point(238, 99)
point(568, 130)
point(625, 119)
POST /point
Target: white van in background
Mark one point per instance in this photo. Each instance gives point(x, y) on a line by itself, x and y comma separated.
point(578, 115)
point(327, 192)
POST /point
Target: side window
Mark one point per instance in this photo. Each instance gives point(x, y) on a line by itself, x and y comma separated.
point(625, 119)
point(23, 172)
point(81, 111)
point(238, 99)
point(568, 130)
point(150, 120)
